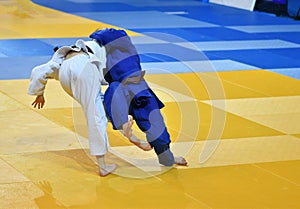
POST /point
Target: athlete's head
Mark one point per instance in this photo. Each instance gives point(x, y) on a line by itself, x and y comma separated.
point(93, 47)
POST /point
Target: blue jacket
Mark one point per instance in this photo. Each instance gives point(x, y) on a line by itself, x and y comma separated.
point(122, 57)
point(123, 61)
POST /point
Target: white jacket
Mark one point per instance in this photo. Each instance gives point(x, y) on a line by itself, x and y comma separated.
point(50, 70)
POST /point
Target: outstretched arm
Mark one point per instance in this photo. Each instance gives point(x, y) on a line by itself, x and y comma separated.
point(39, 102)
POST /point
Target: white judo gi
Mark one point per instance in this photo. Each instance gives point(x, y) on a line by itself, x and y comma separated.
point(81, 77)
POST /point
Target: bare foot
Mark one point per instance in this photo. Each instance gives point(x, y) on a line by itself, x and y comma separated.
point(109, 168)
point(127, 132)
point(127, 127)
point(140, 143)
point(180, 161)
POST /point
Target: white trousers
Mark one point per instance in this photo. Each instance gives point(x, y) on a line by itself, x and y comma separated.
point(80, 79)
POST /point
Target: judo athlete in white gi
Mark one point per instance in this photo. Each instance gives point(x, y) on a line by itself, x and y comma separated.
point(129, 94)
point(79, 70)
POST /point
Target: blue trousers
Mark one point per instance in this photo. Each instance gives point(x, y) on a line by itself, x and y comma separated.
point(140, 101)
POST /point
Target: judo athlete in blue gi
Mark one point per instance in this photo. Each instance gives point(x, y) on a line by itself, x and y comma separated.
point(79, 70)
point(129, 94)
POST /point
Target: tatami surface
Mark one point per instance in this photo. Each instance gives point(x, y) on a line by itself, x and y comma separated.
point(230, 82)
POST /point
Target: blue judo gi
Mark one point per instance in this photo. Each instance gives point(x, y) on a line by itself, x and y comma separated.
point(124, 97)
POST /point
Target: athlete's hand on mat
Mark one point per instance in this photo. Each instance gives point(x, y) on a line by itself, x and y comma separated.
point(39, 102)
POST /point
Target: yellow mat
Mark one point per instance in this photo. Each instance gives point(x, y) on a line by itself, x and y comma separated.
point(24, 19)
point(238, 130)
point(45, 152)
